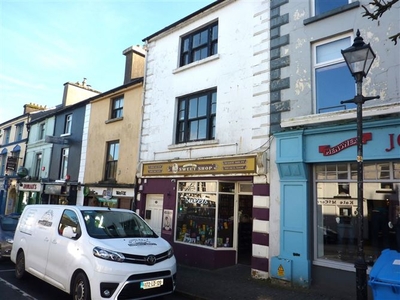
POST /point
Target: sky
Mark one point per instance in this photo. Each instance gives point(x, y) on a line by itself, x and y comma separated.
point(46, 43)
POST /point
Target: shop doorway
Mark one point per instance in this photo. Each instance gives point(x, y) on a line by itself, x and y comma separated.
point(245, 229)
point(153, 213)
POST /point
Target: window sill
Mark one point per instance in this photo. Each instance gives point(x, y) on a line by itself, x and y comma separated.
point(199, 144)
point(114, 120)
point(196, 63)
point(332, 12)
point(65, 134)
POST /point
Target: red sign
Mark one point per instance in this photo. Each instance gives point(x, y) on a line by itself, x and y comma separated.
point(327, 150)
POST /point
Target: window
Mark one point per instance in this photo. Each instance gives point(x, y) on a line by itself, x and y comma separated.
point(322, 6)
point(333, 80)
point(117, 107)
point(196, 117)
point(69, 225)
point(336, 209)
point(19, 129)
point(112, 161)
point(41, 131)
point(68, 124)
point(7, 133)
point(199, 45)
point(3, 161)
point(64, 163)
point(38, 165)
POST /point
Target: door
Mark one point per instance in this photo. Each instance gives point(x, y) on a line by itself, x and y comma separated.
point(153, 215)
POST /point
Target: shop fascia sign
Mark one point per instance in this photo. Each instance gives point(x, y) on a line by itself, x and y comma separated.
point(327, 150)
point(232, 165)
point(30, 186)
point(56, 140)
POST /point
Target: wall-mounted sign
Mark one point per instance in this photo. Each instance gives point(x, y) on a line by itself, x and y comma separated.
point(327, 150)
point(232, 165)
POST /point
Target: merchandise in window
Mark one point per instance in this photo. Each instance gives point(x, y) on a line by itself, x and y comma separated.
point(322, 6)
point(199, 45)
point(332, 72)
point(199, 202)
point(337, 209)
point(196, 117)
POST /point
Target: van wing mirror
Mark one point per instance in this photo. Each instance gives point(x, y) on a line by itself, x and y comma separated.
point(69, 232)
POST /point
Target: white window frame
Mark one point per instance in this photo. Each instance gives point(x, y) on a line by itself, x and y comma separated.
point(331, 62)
point(68, 124)
point(313, 3)
point(64, 163)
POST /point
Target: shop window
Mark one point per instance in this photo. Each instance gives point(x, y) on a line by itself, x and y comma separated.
point(205, 215)
point(196, 117)
point(337, 206)
point(331, 71)
point(199, 44)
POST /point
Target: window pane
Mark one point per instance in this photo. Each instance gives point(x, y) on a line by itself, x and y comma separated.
point(202, 108)
point(322, 6)
point(214, 33)
point(185, 44)
point(200, 54)
point(225, 220)
point(202, 129)
point(328, 80)
point(193, 127)
point(192, 108)
point(331, 51)
point(200, 38)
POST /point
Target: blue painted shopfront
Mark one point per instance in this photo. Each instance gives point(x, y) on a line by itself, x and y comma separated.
point(296, 152)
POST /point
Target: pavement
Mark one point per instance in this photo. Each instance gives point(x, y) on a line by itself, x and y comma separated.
point(235, 282)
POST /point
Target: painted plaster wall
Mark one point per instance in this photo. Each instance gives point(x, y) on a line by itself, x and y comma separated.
point(382, 79)
point(125, 130)
point(242, 116)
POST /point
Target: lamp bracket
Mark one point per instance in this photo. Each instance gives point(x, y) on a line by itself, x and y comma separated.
point(360, 99)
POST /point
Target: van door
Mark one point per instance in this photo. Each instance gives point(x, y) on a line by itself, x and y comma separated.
point(64, 250)
point(153, 215)
point(36, 256)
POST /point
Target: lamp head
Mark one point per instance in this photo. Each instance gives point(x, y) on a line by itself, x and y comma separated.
point(359, 57)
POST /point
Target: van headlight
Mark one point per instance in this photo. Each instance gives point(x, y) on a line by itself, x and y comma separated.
point(170, 252)
point(108, 254)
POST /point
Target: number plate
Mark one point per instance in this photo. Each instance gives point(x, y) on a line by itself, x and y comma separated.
point(151, 284)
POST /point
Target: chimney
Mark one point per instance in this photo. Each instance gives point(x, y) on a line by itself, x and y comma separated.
point(134, 63)
point(31, 107)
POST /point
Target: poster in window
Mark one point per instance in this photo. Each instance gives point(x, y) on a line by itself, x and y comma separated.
point(167, 221)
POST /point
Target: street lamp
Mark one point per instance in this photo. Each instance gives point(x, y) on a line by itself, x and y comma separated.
point(359, 58)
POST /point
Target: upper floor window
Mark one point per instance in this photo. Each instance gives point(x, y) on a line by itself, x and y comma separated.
point(41, 131)
point(117, 107)
point(64, 163)
point(19, 129)
point(333, 80)
point(38, 165)
point(196, 117)
point(199, 44)
point(112, 160)
point(7, 134)
point(68, 124)
point(3, 162)
point(321, 6)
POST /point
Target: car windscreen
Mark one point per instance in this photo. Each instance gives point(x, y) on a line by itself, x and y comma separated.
point(8, 223)
point(115, 224)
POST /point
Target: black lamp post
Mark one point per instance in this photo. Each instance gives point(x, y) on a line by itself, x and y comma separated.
point(359, 58)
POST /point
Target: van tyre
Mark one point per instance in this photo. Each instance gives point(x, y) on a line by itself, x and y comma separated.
point(81, 288)
point(20, 265)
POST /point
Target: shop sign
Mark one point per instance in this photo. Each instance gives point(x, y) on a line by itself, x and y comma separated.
point(327, 150)
point(393, 141)
point(55, 140)
point(11, 163)
point(233, 165)
point(26, 186)
point(336, 202)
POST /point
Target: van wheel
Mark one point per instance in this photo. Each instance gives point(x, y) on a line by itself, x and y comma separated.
point(20, 265)
point(81, 288)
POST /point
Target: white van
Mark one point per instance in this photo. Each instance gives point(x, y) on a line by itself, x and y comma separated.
point(93, 252)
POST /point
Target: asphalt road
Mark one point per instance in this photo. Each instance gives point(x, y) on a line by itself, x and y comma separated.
point(31, 288)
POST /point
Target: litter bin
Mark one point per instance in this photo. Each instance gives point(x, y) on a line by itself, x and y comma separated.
point(384, 277)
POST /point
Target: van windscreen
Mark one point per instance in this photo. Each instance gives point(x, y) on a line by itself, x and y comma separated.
point(103, 224)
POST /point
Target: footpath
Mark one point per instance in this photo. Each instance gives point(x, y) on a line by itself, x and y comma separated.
point(235, 282)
